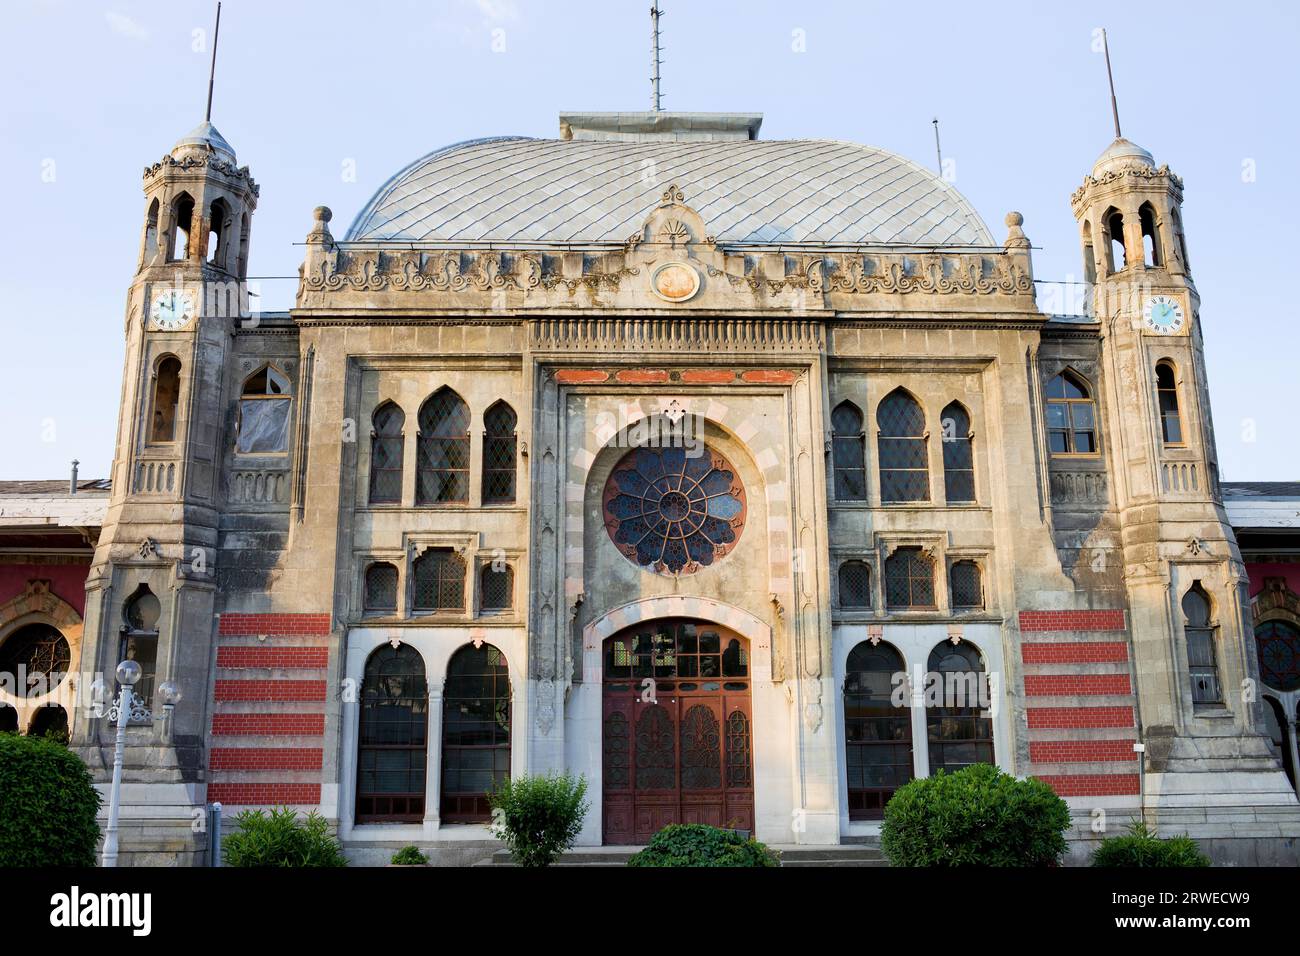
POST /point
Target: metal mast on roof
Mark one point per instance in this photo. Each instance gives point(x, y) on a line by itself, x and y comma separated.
point(1114, 106)
point(654, 56)
point(212, 72)
point(937, 151)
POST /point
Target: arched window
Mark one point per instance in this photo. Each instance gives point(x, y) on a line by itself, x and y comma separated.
point(182, 225)
point(855, 584)
point(1277, 645)
point(1202, 653)
point(909, 580)
point(218, 233)
point(49, 721)
point(392, 742)
point(848, 453)
point(442, 450)
point(877, 729)
point(1071, 417)
point(1275, 726)
point(1179, 238)
point(139, 638)
point(958, 457)
point(36, 657)
point(496, 587)
point(959, 729)
point(1151, 252)
point(904, 463)
point(166, 399)
point(965, 589)
point(499, 454)
point(1089, 257)
point(475, 732)
point(8, 719)
point(439, 583)
point(381, 588)
point(1171, 426)
point(264, 413)
point(1116, 250)
point(241, 266)
point(386, 445)
point(150, 251)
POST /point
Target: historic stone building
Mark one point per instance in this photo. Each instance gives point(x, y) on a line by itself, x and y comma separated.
point(660, 453)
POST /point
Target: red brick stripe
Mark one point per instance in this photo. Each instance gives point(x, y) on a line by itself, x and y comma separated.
point(1089, 652)
point(768, 376)
point(270, 690)
point(642, 376)
point(580, 376)
point(241, 657)
point(264, 794)
point(1064, 718)
point(1047, 685)
point(269, 725)
point(1076, 751)
point(1072, 620)
point(265, 758)
point(287, 624)
point(708, 376)
point(1092, 784)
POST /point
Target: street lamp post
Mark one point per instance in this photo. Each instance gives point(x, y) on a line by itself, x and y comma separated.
point(128, 707)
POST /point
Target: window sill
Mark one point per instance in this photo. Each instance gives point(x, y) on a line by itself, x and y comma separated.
point(1211, 712)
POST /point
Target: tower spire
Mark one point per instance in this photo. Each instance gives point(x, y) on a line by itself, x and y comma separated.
point(1114, 106)
point(654, 56)
point(212, 71)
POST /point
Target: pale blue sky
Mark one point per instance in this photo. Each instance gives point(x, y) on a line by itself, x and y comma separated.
point(305, 91)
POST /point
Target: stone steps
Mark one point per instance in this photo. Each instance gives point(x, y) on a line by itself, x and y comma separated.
point(867, 852)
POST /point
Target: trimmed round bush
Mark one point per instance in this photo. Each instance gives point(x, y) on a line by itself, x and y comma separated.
point(409, 856)
point(978, 816)
point(49, 805)
point(538, 817)
point(279, 838)
point(1140, 847)
point(694, 844)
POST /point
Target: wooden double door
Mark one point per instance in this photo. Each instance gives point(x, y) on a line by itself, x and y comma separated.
point(677, 731)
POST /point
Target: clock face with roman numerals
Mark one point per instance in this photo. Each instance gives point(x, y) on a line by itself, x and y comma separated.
point(1163, 315)
point(172, 309)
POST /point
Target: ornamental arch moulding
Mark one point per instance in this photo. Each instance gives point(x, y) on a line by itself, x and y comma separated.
point(1276, 602)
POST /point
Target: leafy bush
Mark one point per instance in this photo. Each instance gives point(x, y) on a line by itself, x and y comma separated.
point(978, 816)
point(49, 805)
point(281, 839)
point(538, 817)
point(409, 856)
point(694, 844)
point(1141, 847)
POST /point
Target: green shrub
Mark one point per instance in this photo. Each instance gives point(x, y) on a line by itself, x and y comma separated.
point(694, 844)
point(279, 838)
point(1140, 847)
point(409, 856)
point(47, 805)
point(978, 816)
point(538, 817)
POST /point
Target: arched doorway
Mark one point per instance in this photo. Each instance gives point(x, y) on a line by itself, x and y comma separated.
point(393, 744)
point(877, 729)
point(677, 732)
point(475, 732)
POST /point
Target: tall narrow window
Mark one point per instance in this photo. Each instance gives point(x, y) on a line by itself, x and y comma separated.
point(264, 414)
point(877, 732)
point(150, 234)
point(182, 225)
point(965, 589)
point(855, 585)
point(1151, 251)
point(139, 637)
point(496, 587)
point(904, 464)
point(442, 450)
point(848, 453)
point(960, 730)
point(1071, 417)
point(392, 743)
point(381, 588)
point(1202, 653)
point(166, 399)
point(1116, 249)
point(386, 444)
point(1179, 238)
point(1171, 425)
point(475, 732)
point(218, 233)
point(439, 581)
point(1089, 257)
point(958, 459)
point(909, 580)
point(499, 454)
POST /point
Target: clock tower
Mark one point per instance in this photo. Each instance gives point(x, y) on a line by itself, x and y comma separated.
point(1193, 647)
point(150, 593)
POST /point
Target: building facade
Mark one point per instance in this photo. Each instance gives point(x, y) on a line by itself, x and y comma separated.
point(744, 478)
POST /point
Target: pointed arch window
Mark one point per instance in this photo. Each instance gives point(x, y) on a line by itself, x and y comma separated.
point(877, 733)
point(1152, 254)
point(139, 637)
point(386, 449)
point(965, 587)
point(499, 442)
point(1116, 247)
point(909, 580)
point(439, 581)
point(855, 585)
point(264, 413)
point(848, 453)
point(958, 457)
point(1071, 416)
point(475, 732)
point(1202, 649)
point(1171, 425)
point(150, 251)
point(166, 400)
point(903, 452)
point(959, 729)
point(381, 588)
point(442, 450)
point(218, 233)
point(181, 227)
point(1089, 256)
point(392, 742)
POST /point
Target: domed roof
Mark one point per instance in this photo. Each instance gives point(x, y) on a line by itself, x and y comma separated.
point(1121, 153)
point(205, 136)
point(517, 190)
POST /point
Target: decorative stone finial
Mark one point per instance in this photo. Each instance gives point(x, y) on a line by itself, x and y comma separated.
point(1016, 238)
point(320, 230)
